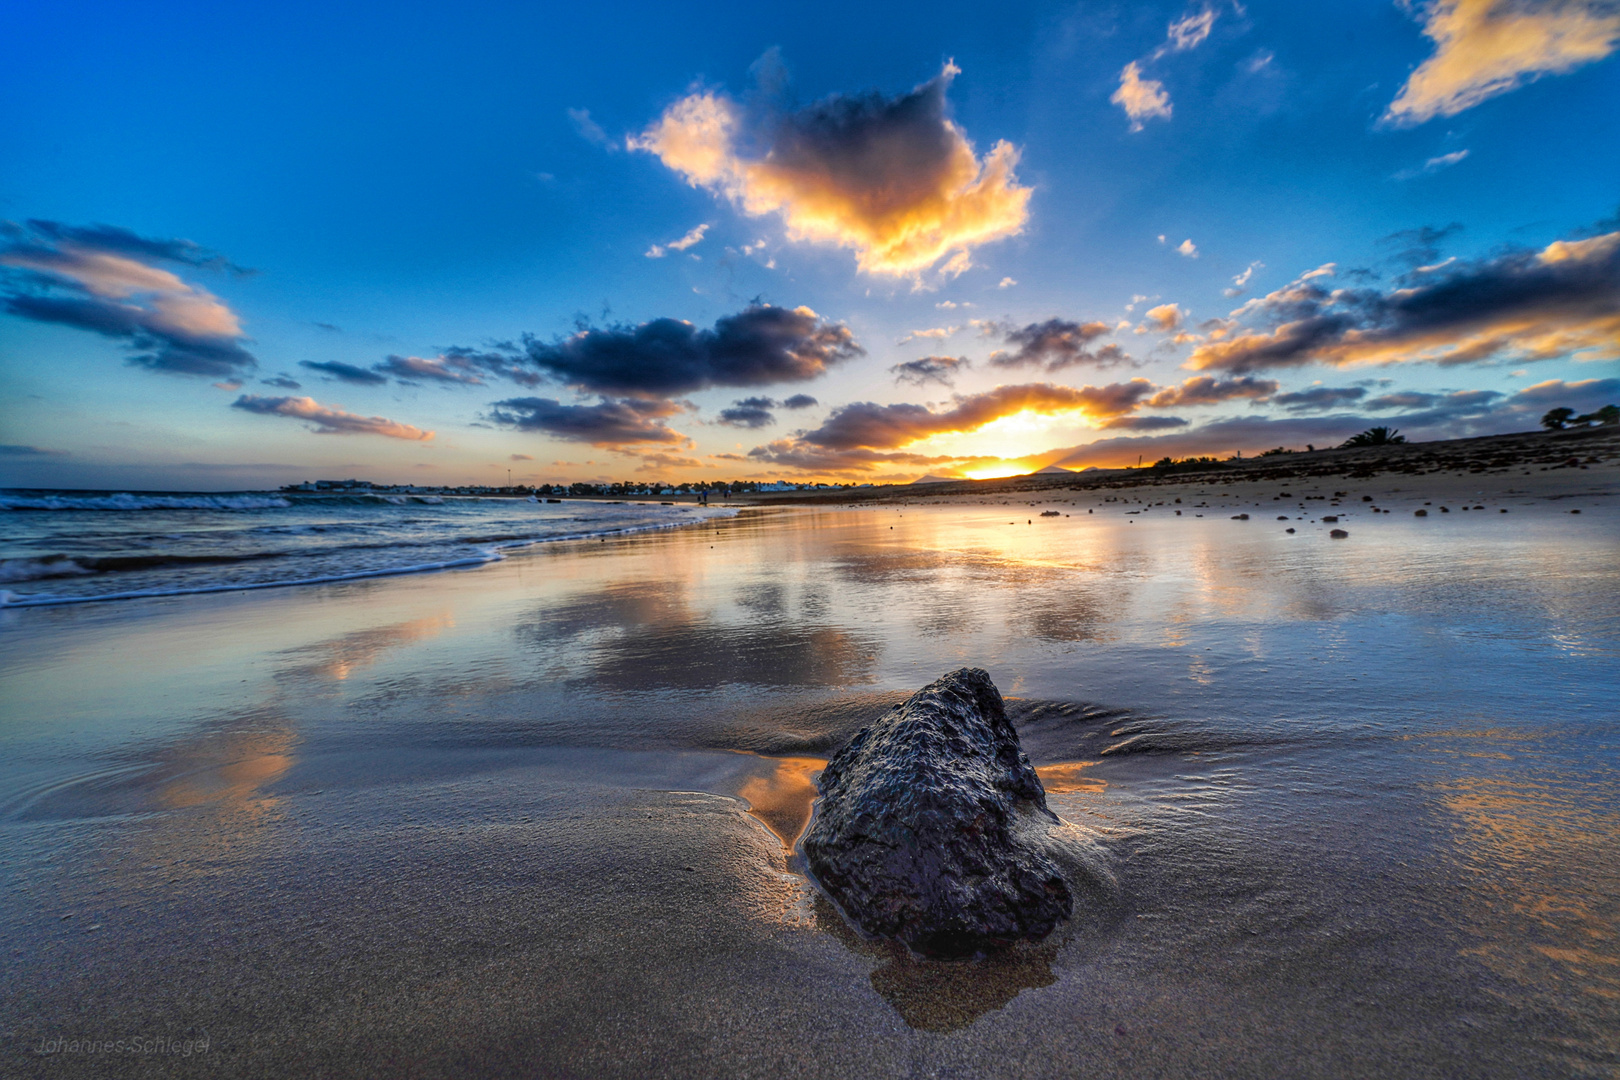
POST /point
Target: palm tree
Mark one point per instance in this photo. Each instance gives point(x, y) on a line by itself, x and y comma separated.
point(1377, 436)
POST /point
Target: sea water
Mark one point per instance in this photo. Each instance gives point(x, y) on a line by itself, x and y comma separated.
point(69, 546)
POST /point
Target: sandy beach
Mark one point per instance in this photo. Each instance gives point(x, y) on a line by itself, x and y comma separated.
point(536, 818)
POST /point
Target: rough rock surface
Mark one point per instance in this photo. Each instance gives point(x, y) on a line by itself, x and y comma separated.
point(930, 822)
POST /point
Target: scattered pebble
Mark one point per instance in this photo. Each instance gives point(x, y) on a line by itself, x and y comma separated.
point(1420, 513)
point(1338, 534)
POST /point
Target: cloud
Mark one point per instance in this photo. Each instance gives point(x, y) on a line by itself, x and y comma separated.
point(1487, 47)
point(893, 179)
point(1204, 390)
point(938, 333)
point(1420, 245)
point(590, 130)
point(328, 421)
point(457, 369)
point(1055, 344)
point(755, 412)
point(866, 424)
point(283, 382)
point(1165, 318)
point(1145, 423)
point(757, 346)
point(1240, 283)
point(1187, 249)
point(1319, 398)
point(1556, 390)
point(752, 412)
point(1187, 32)
point(930, 369)
point(1433, 165)
point(348, 373)
point(797, 454)
point(19, 450)
point(1006, 283)
point(120, 241)
point(1142, 99)
point(1561, 301)
point(104, 279)
point(519, 457)
point(657, 462)
point(693, 236)
point(609, 423)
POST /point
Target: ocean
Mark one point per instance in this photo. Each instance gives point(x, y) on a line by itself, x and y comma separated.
point(59, 547)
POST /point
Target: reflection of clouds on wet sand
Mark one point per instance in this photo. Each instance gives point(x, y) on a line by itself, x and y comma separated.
point(1546, 862)
point(639, 636)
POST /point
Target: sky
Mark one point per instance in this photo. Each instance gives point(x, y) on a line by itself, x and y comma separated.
point(250, 245)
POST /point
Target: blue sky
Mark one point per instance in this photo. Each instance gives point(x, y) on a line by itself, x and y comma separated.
point(494, 224)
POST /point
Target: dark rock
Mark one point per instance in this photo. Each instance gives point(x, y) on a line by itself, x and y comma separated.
point(1339, 534)
point(931, 826)
point(1420, 513)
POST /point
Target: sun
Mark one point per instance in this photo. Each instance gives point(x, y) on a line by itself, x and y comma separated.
point(996, 472)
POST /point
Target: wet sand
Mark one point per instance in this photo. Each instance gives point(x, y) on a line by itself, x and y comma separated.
point(1359, 798)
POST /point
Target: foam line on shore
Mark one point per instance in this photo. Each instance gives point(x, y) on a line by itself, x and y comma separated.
point(494, 553)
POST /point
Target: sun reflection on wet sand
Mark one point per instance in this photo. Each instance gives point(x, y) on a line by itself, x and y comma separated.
point(782, 798)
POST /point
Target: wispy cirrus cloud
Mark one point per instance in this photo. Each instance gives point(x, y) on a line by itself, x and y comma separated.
point(1561, 301)
point(1433, 165)
point(893, 179)
point(325, 420)
point(1488, 47)
point(107, 280)
point(692, 238)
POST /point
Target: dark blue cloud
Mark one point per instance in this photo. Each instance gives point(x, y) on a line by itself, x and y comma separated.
point(930, 369)
point(348, 373)
point(758, 346)
point(1319, 398)
point(609, 423)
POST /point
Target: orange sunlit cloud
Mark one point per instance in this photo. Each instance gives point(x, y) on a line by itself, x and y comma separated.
point(894, 180)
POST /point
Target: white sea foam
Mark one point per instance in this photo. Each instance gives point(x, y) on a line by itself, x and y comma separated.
point(51, 566)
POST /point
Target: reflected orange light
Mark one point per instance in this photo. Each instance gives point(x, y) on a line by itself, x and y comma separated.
point(783, 797)
point(1067, 776)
